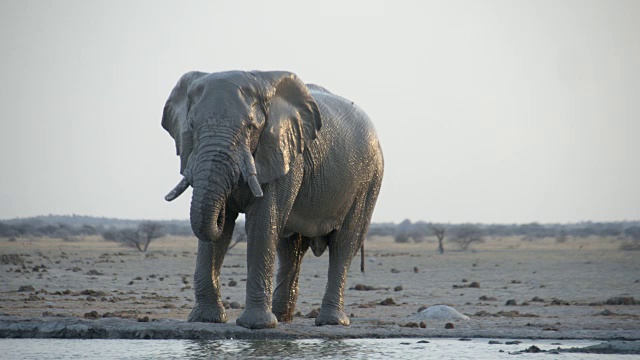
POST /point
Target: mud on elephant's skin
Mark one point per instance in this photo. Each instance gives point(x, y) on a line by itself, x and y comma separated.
point(303, 164)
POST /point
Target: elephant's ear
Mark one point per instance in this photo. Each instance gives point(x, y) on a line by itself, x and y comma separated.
point(174, 117)
point(292, 123)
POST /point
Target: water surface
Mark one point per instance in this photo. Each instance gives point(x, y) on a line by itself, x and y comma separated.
point(277, 349)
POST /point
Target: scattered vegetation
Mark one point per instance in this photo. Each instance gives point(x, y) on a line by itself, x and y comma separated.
point(438, 231)
point(139, 238)
point(75, 227)
point(466, 235)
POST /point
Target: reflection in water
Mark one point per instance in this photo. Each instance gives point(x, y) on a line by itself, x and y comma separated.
point(277, 349)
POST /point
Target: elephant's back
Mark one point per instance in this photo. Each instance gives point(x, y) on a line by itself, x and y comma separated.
point(343, 162)
point(345, 126)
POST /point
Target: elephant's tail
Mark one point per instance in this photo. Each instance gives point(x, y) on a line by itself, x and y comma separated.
point(362, 257)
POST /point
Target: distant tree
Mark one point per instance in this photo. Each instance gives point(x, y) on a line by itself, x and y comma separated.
point(148, 231)
point(633, 234)
point(139, 238)
point(465, 235)
point(561, 237)
point(88, 230)
point(438, 231)
point(61, 233)
point(401, 234)
point(381, 229)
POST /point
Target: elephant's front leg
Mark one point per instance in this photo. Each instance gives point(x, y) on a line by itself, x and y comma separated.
point(264, 223)
point(291, 250)
point(206, 279)
point(261, 251)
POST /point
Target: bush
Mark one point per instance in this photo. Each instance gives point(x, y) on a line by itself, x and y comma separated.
point(466, 235)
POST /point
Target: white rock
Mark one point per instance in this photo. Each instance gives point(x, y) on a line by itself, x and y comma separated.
point(441, 312)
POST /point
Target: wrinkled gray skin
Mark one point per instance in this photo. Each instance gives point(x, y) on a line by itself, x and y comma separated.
point(303, 164)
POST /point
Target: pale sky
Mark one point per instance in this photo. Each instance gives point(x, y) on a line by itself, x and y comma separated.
point(487, 111)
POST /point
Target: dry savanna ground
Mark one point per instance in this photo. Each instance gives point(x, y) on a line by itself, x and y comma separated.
point(584, 284)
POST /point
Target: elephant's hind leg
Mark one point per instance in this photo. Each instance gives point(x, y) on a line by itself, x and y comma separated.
point(206, 279)
point(290, 251)
point(343, 246)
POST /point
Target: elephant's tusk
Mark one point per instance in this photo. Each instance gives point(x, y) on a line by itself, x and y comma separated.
point(178, 190)
point(255, 185)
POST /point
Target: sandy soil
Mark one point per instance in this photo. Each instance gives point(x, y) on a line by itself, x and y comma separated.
point(570, 282)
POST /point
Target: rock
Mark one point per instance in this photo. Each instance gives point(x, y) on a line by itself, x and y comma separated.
point(537, 299)
point(24, 288)
point(298, 314)
point(168, 306)
point(388, 301)
point(622, 300)
point(95, 293)
point(442, 313)
point(394, 271)
point(423, 325)
point(616, 347)
point(233, 283)
point(362, 287)
point(532, 349)
point(511, 302)
point(422, 308)
point(397, 288)
point(143, 319)
point(487, 298)
point(312, 314)
point(559, 302)
point(96, 272)
point(11, 259)
point(465, 280)
point(474, 284)
point(449, 326)
point(416, 270)
point(410, 325)
point(606, 312)
point(422, 342)
point(92, 315)
point(494, 342)
point(138, 278)
point(515, 342)
point(235, 305)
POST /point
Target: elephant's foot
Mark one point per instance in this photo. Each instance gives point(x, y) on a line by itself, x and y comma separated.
point(332, 316)
point(211, 313)
point(257, 319)
point(284, 316)
point(283, 310)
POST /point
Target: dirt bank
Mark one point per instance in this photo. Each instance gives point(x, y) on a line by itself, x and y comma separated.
point(581, 289)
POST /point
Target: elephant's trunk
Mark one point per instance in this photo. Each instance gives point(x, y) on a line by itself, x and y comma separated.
point(213, 175)
point(207, 213)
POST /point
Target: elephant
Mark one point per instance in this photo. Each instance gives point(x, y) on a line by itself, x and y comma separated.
point(305, 167)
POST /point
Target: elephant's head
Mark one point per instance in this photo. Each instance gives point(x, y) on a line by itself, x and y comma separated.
point(235, 129)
